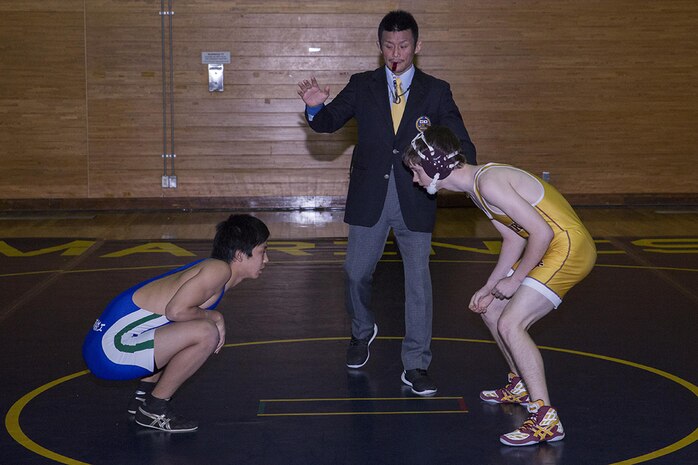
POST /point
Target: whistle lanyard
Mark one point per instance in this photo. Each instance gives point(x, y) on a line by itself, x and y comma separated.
point(406, 77)
point(394, 95)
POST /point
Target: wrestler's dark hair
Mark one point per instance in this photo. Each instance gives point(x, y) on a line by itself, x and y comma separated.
point(238, 233)
point(398, 20)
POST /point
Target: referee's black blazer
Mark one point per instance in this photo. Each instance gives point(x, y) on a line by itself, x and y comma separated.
point(365, 98)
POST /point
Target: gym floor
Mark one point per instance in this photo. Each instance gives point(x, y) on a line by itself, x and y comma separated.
point(620, 352)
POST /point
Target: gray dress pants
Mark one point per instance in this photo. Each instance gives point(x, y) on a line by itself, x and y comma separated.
point(364, 250)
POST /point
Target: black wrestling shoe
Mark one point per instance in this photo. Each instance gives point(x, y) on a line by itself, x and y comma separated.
point(357, 352)
point(163, 419)
point(419, 381)
point(138, 398)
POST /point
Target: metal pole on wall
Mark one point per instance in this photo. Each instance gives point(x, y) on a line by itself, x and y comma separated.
point(173, 177)
point(169, 179)
point(165, 179)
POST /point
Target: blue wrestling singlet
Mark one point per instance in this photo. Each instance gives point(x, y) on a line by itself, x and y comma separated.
point(121, 343)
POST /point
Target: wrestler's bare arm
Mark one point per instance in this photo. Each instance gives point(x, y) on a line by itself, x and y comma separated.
point(200, 290)
point(499, 191)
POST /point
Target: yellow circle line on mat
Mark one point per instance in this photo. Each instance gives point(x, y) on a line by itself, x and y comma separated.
point(15, 431)
point(12, 422)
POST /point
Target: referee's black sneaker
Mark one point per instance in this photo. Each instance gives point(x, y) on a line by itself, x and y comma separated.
point(419, 381)
point(357, 352)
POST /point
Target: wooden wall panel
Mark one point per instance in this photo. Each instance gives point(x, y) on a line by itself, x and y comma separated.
point(602, 94)
point(43, 149)
point(125, 94)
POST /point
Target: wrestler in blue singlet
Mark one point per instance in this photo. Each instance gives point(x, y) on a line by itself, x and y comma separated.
point(121, 343)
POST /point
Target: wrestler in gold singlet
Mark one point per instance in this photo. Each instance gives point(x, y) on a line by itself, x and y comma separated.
point(571, 254)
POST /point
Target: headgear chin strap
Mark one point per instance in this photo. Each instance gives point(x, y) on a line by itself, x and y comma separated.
point(436, 163)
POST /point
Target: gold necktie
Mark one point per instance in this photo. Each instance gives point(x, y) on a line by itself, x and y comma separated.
point(397, 109)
